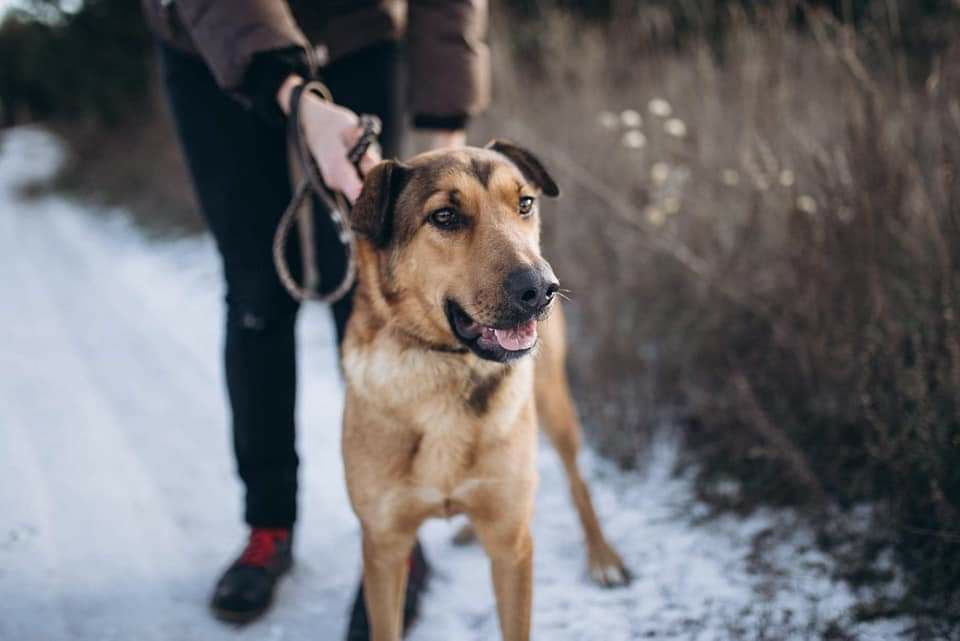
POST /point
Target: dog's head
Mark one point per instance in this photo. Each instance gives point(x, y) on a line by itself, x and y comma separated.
point(457, 233)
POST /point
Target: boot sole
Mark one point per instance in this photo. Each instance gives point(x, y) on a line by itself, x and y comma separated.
point(240, 618)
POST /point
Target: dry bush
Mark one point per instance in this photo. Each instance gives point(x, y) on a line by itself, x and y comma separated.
point(135, 164)
point(776, 261)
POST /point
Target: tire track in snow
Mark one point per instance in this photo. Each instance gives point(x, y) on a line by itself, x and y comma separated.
point(110, 539)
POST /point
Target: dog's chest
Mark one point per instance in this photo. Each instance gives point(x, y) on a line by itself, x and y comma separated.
point(453, 413)
point(438, 394)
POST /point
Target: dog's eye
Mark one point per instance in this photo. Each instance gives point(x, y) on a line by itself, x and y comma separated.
point(444, 218)
point(526, 205)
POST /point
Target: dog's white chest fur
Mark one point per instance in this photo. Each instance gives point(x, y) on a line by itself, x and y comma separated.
point(431, 391)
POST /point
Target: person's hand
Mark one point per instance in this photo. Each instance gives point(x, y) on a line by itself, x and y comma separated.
point(447, 138)
point(330, 132)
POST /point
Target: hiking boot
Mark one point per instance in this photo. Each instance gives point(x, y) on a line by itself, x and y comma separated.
point(359, 628)
point(245, 590)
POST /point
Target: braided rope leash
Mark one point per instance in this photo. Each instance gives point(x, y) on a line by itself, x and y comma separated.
point(312, 184)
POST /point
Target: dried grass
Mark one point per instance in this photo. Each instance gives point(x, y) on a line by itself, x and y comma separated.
point(761, 236)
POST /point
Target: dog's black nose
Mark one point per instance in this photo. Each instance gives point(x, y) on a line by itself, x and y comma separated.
point(530, 289)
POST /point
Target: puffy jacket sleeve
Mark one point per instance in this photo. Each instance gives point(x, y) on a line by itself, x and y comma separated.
point(229, 33)
point(449, 61)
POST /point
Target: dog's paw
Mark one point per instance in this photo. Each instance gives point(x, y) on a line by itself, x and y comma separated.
point(466, 535)
point(607, 568)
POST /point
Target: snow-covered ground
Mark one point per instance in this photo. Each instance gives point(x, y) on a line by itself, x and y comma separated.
point(118, 504)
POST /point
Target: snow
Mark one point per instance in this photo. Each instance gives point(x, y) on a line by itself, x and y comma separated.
point(119, 505)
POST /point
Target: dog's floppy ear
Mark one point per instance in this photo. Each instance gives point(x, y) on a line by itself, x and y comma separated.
point(528, 164)
point(372, 214)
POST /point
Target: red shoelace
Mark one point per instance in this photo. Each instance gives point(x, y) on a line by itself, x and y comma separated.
point(262, 545)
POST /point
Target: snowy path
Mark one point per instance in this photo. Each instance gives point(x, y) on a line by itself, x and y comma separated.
point(118, 504)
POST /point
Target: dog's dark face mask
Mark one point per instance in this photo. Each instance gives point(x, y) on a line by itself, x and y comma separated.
point(458, 237)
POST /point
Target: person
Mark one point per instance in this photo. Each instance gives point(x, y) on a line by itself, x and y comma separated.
point(228, 67)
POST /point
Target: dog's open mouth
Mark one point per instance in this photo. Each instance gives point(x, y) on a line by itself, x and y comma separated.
point(492, 343)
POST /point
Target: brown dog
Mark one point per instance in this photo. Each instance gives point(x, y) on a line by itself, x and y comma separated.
point(443, 386)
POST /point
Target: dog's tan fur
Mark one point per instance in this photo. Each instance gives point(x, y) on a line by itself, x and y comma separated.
point(430, 428)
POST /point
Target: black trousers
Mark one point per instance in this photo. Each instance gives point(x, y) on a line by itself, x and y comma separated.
point(238, 165)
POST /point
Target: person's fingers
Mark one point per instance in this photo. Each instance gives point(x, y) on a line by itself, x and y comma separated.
point(351, 134)
point(351, 137)
point(351, 185)
point(331, 152)
point(339, 174)
point(353, 191)
point(369, 161)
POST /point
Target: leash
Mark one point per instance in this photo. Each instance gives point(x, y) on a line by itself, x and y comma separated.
point(334, 202)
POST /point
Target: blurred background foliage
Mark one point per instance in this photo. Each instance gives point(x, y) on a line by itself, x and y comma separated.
point(77, 59)
point(73, 61)
point(760, 230)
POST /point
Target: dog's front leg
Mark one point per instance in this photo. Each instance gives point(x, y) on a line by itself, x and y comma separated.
point(511, 561)
point(385, 572)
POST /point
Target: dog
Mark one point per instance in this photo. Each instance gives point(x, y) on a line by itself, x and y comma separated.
point(454, 349)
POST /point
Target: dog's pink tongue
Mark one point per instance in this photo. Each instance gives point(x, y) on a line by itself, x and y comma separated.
point(517, 338)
